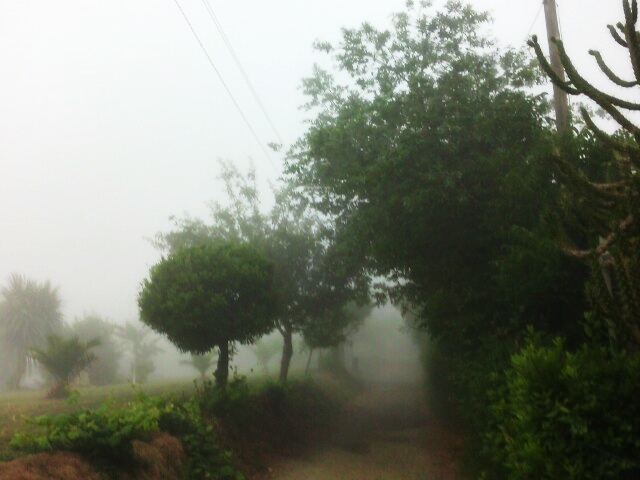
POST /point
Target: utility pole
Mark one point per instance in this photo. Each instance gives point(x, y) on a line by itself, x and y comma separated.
point(560, 99)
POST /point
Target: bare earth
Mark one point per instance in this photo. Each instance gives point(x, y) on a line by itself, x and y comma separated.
point(387, 434)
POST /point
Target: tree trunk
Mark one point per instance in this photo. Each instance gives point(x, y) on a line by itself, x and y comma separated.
point(222, 369)
point(306, 370)
point(287, 352)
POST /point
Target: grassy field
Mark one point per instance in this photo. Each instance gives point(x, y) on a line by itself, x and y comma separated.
point(15, 407)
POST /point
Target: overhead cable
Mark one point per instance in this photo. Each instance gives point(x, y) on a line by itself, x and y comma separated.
point(240, 67)
point(255, 136)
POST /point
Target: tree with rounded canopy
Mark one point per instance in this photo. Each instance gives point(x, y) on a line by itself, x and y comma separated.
point(209, 296)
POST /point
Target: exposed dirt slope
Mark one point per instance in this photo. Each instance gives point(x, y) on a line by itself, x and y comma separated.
point(386, 433)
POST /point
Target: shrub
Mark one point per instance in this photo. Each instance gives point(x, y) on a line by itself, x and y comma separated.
point(105, 435)
point(567, 415)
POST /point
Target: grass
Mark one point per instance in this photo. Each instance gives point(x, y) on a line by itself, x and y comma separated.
point(16, 406)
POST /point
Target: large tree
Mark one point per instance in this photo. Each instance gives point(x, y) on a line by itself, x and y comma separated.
point(29, 312)
point(425, 150)
point(313, 275)
point(210, 296)
point(430, 154)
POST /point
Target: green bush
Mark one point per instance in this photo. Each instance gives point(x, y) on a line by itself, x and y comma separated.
point(567, 415)
point(104, 435)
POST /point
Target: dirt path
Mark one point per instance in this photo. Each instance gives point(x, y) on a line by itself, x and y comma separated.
point(386, 434)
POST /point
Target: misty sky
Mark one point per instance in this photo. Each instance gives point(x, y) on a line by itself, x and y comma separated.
point(112, 119)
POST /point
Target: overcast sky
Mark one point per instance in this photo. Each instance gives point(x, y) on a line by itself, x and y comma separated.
point(112, 119)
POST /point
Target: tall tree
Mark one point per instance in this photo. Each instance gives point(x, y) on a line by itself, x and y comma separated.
point(430, 156)
point(29, 312)
point(424, 149)
point(210, 296)
point(605, 204)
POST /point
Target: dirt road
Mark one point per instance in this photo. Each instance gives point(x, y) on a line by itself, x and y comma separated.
point(386, 434)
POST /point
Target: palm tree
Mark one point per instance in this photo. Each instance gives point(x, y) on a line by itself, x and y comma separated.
point(64, 359)
point(29, 311)
point(202, 363)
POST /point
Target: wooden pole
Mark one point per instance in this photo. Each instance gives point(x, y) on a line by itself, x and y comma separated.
point(560, 98)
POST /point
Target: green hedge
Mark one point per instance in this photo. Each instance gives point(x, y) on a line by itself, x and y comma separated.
point(567, 415)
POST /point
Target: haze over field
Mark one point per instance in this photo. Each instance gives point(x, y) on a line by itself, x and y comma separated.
point(112, 119)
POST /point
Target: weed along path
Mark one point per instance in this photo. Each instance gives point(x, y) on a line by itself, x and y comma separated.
point(386, 434)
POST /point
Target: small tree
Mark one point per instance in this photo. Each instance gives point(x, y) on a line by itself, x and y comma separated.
point(64, 359)
point(209, 296)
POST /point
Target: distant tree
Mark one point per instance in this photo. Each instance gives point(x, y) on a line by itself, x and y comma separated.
point(104, 370)
point(29, 312)
point(141, 348)
point(431, 157)
point(210, 296)
point(605, 204)
point(202, 362)
point(64, 358)
point(265, 350)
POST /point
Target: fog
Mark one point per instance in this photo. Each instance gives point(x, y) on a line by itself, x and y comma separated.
point(383, 350)
point(112, 119)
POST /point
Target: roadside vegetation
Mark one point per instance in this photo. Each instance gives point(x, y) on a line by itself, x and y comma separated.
point(168, 431)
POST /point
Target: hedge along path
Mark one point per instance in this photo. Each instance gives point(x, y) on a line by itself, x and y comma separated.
point(387, 433)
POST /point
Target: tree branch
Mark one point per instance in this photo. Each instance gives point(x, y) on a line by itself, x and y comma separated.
point(609, 73)
point(605, 243)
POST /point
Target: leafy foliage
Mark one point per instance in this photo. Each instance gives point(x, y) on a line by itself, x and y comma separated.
point(64, 358)
point(434, 163)
point(105, 435)
point(210, 295)
point(567, 415)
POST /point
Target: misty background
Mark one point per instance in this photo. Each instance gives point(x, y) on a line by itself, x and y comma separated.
point(112, 119)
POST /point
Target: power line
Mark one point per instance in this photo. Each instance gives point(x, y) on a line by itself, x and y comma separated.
point(534, 22)
point(255, 136)
point(240, 67)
